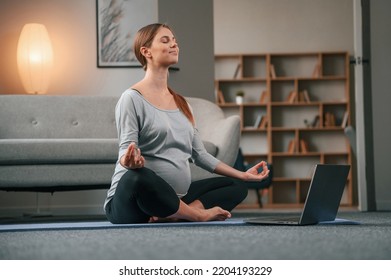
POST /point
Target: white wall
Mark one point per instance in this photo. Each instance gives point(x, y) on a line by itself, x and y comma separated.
point(261, 26)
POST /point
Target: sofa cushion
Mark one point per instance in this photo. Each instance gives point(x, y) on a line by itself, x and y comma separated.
point(57, 117)
point(50, 151)
point(65, 151)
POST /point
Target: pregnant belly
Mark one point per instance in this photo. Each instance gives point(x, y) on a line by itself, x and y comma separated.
point(177, 175)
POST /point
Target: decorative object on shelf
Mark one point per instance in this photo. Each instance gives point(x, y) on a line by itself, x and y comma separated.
point(239, 98)
point(35, 58)
point(117, 23)
point(314, 123)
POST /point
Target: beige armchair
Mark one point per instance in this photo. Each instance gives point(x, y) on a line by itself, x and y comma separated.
point(220, 134)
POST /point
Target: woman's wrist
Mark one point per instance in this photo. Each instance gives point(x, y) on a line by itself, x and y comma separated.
point(122, 164)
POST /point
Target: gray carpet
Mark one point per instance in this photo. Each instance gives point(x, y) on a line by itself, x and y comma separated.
point(370, 240)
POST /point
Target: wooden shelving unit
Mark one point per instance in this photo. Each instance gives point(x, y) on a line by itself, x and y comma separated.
point(294, 111)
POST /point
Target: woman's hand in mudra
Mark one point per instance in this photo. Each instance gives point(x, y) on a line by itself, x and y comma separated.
point(253, 174)
point(132, 159)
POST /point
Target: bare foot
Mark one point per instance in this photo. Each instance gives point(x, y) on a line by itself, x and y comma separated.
point(194, 213)
point(197, 204)
point(214, 214)
point(204, 215)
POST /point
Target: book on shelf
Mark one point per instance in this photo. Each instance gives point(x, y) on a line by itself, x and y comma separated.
point(329, 119)
point(263, 123)
point(258, 121)
point(263, 99)
point(220, 97)
point(316, 72)
point(303, 146)
point(236, 74)
point(345, 119)
point(292, 97)
point(272, 71)
point(304, 97)
point(292, 146)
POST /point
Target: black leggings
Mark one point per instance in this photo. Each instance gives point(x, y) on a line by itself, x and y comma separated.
point(141, 194)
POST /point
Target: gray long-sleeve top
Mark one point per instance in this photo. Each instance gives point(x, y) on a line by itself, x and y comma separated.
point(166, 138)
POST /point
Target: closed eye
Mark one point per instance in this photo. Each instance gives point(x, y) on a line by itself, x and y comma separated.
point(166, 39)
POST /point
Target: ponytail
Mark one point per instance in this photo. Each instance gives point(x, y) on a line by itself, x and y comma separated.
point(182, 104)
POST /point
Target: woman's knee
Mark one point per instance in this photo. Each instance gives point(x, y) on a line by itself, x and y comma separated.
point(241, 191)
point(135, 178)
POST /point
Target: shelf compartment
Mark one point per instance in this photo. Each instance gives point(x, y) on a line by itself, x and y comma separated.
point(281, 89)
point(226, 66)
point(281, 141)
point(325, 141)
point(252, 116)
point(252, 90)
point(333, 64)
point(324, 90)
point(338, 112)
point(254, 66)
point(294, 166)
point(287, 66)
point(293, 116)
point(254, 143)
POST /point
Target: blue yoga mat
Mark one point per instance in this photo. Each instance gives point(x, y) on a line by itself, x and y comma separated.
point(106, 224)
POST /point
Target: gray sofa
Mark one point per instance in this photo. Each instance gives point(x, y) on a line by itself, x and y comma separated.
point(61, 143)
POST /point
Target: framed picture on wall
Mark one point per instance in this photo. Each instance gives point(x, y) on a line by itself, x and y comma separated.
point(117, 23)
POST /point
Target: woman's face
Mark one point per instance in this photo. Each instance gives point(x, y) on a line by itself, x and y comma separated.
point(164, 49)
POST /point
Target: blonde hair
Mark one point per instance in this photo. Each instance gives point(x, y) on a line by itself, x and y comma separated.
point(144, 38)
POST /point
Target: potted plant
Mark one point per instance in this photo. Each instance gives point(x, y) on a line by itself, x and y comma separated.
point(239, 97)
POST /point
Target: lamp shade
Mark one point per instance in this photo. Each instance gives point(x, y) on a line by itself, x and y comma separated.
point(35, 58)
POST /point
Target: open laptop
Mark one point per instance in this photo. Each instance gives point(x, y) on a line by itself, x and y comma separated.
point(322, 201)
